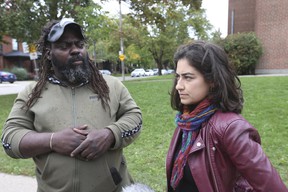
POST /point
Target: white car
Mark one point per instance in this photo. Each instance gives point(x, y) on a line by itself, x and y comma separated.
point(149, 72)
point(105, 72)
point(164, 72)
point(170, 71)
point(138, 72)
point(155, 71)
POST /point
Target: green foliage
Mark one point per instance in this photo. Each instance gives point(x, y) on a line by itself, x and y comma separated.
point(146, 156)
point(153, 29)
point(244, 51)
point(21, 73)
point(169, 24)
point(23, 20)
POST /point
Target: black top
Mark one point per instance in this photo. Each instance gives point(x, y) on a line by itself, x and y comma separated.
point(187, 183)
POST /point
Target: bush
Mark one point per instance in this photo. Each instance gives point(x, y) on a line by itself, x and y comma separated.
point(21, 73)
point(244, 51)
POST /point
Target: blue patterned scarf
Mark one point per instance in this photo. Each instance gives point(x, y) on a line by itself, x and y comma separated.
point(190, 125)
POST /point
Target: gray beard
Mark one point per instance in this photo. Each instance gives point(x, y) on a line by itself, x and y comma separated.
point(77, 75)
point(74, 74)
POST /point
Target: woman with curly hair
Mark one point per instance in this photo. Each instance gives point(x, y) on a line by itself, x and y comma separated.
point(213, 149)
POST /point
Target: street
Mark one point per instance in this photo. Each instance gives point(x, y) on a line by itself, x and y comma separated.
point(7, 88)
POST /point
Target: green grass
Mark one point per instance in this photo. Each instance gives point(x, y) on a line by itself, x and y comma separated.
point(7, 164)
point(265, 107)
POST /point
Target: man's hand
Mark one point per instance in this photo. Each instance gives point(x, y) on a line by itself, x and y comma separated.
point(96, 143)
point(65, 141)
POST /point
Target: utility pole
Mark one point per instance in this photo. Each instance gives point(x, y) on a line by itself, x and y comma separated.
point(121, 52)
point(94, 50)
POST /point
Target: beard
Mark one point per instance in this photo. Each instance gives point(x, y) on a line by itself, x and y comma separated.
point(71, 73)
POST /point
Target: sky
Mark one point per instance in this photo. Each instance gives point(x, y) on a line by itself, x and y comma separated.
point(216, 12)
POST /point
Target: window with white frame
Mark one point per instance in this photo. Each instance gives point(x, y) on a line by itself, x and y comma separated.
point(14, 45)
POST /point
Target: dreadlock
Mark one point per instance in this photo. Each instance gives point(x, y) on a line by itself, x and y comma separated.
point(97, 82)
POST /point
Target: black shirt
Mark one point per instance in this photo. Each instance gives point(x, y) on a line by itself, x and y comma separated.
point(187, 183)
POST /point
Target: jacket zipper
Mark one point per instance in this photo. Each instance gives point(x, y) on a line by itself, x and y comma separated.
point(76, 179)
point(74, 106)
point(209, 159)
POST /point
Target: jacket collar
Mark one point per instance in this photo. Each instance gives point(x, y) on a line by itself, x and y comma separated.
point(52, 79)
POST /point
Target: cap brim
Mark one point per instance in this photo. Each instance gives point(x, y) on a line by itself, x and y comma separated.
point(58, 29)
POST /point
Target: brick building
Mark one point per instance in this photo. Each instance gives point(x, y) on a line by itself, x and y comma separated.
point(12, 54)
point(269, 20)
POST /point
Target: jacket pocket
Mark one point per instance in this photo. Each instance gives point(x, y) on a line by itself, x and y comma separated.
point(115, 175)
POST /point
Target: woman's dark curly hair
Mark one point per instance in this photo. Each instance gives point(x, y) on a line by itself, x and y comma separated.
point(97, 82)
point(212, 62)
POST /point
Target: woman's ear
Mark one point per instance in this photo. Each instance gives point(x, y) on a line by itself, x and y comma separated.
point(211, 87)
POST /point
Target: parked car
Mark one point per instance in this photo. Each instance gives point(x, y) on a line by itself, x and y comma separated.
point(155, 71)
point(138, 72)
point(149, 72)
point(164, 72)
point(7, 76)
point(105, 72)
point(170, 71)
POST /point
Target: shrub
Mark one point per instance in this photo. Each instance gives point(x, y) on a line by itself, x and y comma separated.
point(21, 73)
point(244, 51)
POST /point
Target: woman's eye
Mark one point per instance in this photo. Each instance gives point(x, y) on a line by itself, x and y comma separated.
point(188, 77)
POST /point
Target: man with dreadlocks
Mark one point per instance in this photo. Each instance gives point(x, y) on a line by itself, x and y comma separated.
point(73, 122)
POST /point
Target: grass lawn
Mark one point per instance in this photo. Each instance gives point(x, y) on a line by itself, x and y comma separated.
point(265, 107)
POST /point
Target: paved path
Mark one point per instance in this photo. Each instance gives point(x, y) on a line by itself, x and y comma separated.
point(7, 88)
point(17, 183)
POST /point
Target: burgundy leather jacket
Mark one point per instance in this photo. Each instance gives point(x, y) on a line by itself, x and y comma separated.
point(234, 148)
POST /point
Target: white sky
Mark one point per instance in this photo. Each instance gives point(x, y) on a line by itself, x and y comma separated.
point(216, 12)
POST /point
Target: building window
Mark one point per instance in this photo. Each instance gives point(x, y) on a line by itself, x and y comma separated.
point(25, 47)
point(14, 45)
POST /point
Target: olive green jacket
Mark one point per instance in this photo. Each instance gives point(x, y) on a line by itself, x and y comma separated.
point(60, 107)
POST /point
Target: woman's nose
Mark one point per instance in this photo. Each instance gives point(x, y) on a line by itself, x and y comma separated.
point(179, 85)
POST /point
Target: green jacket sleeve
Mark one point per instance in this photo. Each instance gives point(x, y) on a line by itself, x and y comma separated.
point(129, 118)
point(18, 124)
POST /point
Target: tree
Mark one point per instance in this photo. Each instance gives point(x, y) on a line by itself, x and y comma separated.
point(153, 29)
point(244, 51)
point(23, 20)
point(169, 24)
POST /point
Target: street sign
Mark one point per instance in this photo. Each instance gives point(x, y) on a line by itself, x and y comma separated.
point(32, 52)
point(122, 57)
point(33, 55)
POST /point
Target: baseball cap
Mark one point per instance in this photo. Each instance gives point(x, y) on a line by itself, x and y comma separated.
point(58, 29)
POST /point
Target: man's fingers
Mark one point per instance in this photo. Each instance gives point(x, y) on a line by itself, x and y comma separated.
point(82, 127)
point(78, 150)
point(81, 130)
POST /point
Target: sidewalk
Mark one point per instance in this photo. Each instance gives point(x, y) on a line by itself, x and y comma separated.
point(17, 183)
